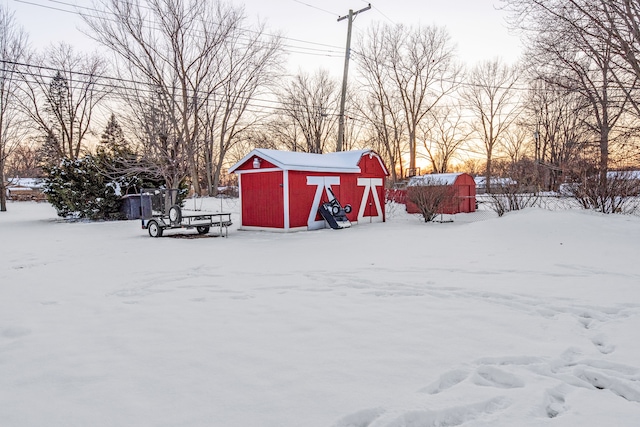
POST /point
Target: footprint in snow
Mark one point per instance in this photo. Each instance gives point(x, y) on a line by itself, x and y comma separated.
point(627, 389)
point(493, 377)
point(448, 417)
point(362, 418)
point(600, 342)
point(554, 403)
point(446, 381)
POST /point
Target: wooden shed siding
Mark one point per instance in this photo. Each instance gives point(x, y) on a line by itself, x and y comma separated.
point(371, 167)
point(262, 199)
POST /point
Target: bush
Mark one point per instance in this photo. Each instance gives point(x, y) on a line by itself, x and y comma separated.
point(429, 195)
point(77, 189)
point(511, 197)
point(617, 195)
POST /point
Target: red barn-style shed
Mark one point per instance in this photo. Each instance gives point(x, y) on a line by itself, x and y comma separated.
point(462, 197)
point(282, 190)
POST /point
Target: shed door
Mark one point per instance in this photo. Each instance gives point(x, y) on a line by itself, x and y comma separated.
point(262, 199)
point(372, 204)
point(322, 195)
point(465, 199)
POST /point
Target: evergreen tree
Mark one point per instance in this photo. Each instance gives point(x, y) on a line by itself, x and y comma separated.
point(112, 140)
point(77, 189)
point(117, 161)
point(57, 108)
point(49, 153)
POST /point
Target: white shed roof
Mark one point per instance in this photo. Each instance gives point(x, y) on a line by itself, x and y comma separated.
point(434, 179)
point(343, 161)
point(481, 181)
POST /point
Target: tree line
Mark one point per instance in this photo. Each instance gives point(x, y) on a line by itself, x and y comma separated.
point(192, 86)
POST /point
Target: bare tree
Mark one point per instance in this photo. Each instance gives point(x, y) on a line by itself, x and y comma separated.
point(382, 107)
point(422, 66)
point(491, 96)
point(443, 133)
point(554, 119)
point(61, 94)
point(247, 66)
point(24, 160)
point(576, 45)
point(200, 66)
point(167, 49)
point(13, 44)
point(614, 23)
point(515, 142)
point(309, 103)
point(417, 65)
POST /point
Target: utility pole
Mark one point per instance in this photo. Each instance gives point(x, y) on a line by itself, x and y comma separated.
point(347, 55)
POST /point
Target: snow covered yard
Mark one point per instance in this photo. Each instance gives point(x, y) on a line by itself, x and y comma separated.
point(532, 319)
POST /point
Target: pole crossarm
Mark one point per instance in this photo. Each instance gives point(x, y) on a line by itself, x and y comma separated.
point(355, 13)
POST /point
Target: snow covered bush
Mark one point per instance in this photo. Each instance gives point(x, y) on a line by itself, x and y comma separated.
point(77, 189)
point(617, 193)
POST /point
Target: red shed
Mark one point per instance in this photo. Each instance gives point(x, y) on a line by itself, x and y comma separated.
point(282, 190)
point(463, 192)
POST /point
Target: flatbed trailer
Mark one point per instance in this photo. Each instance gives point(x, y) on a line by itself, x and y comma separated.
point(156, 217)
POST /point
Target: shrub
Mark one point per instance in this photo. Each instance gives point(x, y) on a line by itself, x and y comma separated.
point(429, 195)
point(511, 197)
point(77, 189)
point(618, 194)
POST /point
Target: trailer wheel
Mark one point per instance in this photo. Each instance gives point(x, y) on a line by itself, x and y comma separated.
point(202, 229)
point(347, 209)
point(154, 229)
point(175, 214)
point(335, 209)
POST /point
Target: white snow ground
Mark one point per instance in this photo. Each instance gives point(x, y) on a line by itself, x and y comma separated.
point(532, 319)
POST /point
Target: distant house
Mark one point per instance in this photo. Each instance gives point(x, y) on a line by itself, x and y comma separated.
point(23, 189)
point(629, 175)
point(481, 183)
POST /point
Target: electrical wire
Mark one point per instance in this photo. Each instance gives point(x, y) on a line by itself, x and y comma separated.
point(332, 51)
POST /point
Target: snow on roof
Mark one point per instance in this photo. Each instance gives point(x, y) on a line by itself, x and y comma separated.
point(481, 181)
point(624, 174)
point(434, 179)
point(343, 161)
point(26, 182)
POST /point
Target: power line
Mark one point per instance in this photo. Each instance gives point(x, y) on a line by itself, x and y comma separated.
point(379, 11)
point(315, 7)
point(117, 83)
point(300, 49)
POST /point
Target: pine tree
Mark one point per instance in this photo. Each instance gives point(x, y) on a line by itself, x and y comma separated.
point(57, 108)
point(112, 140)
point(77, 189)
